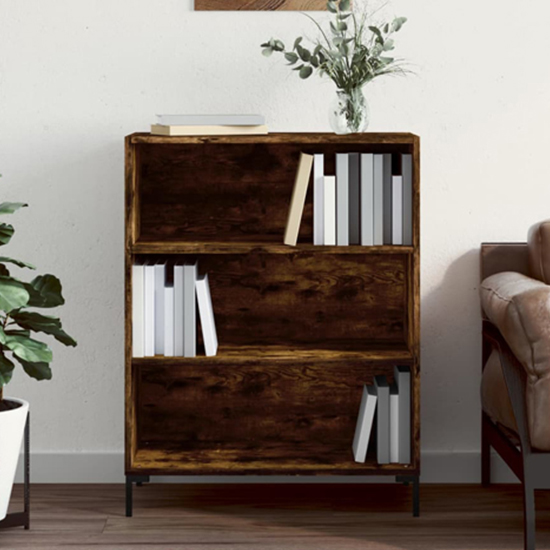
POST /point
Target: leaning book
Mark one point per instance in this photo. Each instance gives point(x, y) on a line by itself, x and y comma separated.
point(365, 421)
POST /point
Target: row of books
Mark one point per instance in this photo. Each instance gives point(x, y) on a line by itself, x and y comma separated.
point(365, 203)
point(208, 125)
point(164, 315)
point(391, 406)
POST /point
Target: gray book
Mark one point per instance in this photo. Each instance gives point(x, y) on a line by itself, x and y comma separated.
point(365, 421)
point(397, 210)
point(190, 274)
point(382, 419)
point(160, 276)
point(178, 311)
point(378, 207)
point(387, 239)
point(367, 199)
point(407, 200)
point(403, 381)
point(211, 120)
point(318, 199)
point(354, 200)
point(342, 199)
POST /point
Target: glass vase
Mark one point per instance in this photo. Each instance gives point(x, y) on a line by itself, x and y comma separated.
point(349, 112)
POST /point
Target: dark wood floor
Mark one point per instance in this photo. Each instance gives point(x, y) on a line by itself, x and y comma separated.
point(290, 517)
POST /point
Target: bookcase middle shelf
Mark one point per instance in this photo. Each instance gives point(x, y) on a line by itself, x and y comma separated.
point(246, 247)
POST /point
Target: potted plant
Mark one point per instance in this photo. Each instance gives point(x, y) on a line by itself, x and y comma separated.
point(352, 53)
point(19, 320)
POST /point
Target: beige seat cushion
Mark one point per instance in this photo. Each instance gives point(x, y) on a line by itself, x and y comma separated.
point(520, 307)
point(538, 243)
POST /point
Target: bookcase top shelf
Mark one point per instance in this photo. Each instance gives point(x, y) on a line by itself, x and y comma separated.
point(179, 247)
point(395, 138)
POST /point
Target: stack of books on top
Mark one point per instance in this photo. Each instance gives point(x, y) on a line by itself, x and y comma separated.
point(164, 314)
point(369, 201)
point(208, 125)
point(392, 405)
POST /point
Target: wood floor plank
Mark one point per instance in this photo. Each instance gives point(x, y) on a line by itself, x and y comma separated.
point(276, 517)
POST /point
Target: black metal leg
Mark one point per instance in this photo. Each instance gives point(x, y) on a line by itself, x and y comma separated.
point(129, 497)
point(22, 519)
point(416, 496)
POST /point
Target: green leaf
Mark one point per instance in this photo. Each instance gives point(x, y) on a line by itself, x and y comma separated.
point(331, 6)
point(386, 60)
point(305, 72)
point(29, 349)
point(342, 26)
point(4, 270)
point(37, 370)
point(267, 52)
point(13, 294)
point(278, 46)
point(45, 291)
point(386, 28)
point(18, 263)
point(314, 61)
point(299, 67)
point(291, 57)
point(6, 369)
point(376, 31)
point(6, 233)
point(17, 332)
point(296, 42)
point(304, 53)
point(389, 45)
point(42, 323)
point(11, 207)
point(397, 23)
point(344, 5)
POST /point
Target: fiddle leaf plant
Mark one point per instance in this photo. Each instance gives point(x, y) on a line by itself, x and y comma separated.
point(19, 320)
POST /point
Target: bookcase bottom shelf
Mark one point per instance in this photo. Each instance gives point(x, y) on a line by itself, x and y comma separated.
point(268, 460)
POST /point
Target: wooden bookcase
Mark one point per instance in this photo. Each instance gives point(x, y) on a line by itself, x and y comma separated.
point(301, 329)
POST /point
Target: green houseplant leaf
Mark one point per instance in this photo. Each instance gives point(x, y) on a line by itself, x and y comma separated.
point(18, 263)
point(37, 322)
point(11, 207)
point(6, 369)
point(45, 291)
point(13, 294)
point(28, 349)
point(6, 233)
point(38, 371)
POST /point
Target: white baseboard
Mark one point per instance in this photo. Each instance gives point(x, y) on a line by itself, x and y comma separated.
point(436, 467)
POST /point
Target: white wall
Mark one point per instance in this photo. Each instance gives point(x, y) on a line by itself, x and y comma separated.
point(76, 76)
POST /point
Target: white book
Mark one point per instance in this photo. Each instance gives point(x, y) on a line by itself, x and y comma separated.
point(160, 277)
point(397, 210)
point(330, 210)
point(365, 421)
point(407, 199)
point(211, 120)
point(169, 321)
point(190, 272)
point(318, 199)
point(342, 199)
point(402, 376)
point(206, 314)
point(178, 311)
point(378, 208)
point(382, 420)
point(149, 310)
point(394, 424)
point(138, 307)
point(354, 200)
point(367, 199)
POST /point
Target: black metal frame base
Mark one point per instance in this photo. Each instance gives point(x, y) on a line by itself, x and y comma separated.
point(140, 480)
point(22, 519)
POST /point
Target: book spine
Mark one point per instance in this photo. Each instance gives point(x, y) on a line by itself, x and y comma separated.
point(318, 199)
point(378, 209)
point(354, 200)
point(160, 276)
point(403, 379)
point(394, 424)
point(149, 312)
point(169, 321)
point(397, 210)
point(330, 210)
point(189, 310)
point(178, 311)
point(387, 238)
point(298, 200)
point(383, 420)
point(342, 199)
point(367, 199)
point(206, 313)
point(138, 306)
point(407, 200)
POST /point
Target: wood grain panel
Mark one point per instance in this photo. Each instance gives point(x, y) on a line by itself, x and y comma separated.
point(256, 5)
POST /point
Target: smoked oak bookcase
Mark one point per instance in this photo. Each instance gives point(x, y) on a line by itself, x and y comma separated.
point(301, 329)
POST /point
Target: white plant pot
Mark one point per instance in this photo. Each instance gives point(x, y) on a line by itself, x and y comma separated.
point(12, 428)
